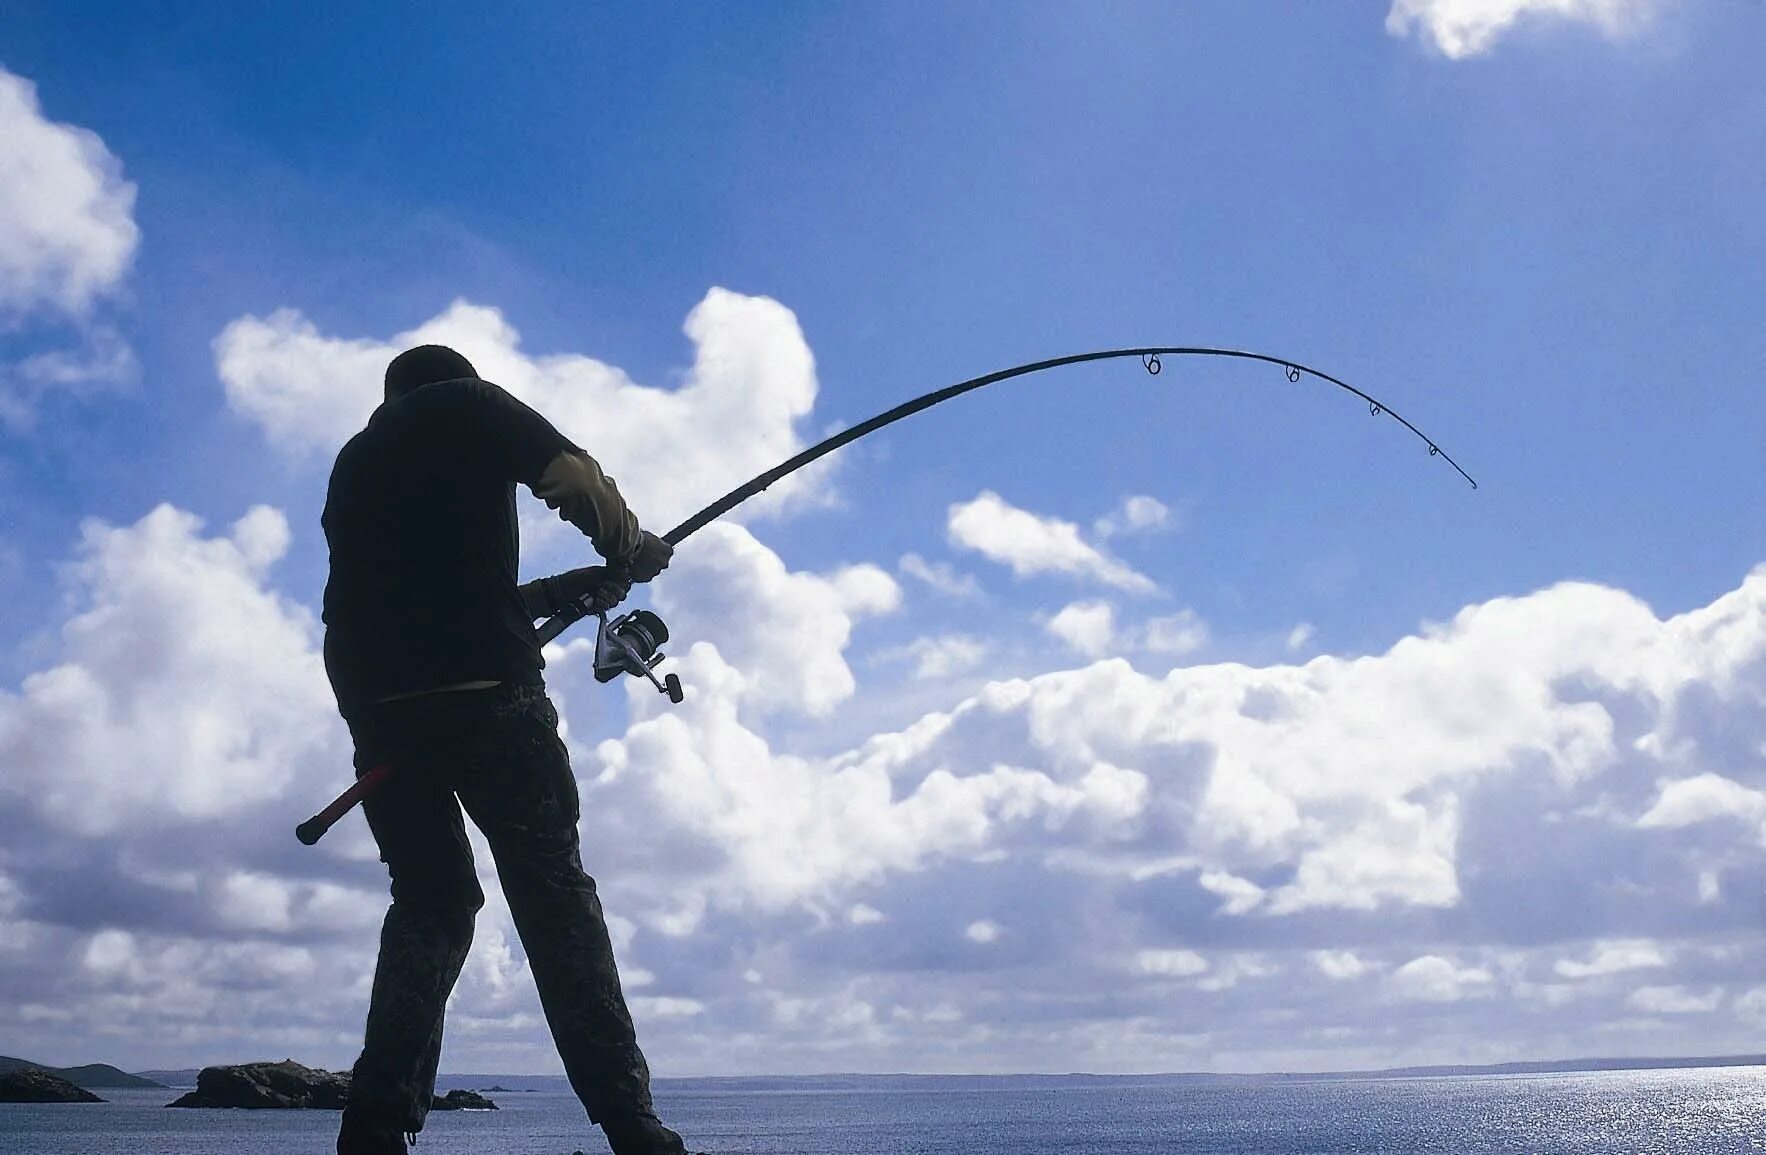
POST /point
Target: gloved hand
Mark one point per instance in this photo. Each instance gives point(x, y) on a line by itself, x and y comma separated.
point(606, 587)
point(649, 559)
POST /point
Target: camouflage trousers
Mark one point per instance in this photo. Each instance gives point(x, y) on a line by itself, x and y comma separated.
point(497, 753)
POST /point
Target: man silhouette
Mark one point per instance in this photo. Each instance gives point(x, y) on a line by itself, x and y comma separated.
point(431, 651)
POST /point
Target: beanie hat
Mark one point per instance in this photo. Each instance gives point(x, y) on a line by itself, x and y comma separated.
point(422, 366)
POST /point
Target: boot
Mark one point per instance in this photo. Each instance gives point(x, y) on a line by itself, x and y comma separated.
point(642, 1135)
point(363, 1136)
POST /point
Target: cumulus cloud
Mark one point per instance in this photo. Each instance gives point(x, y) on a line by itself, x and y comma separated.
point(1463, 28)
point(941, 656)
point(185, 689)
point(785, 631)
point(1240, 894)
point(1030, 543)
point(1136, 514)
point(1613, 958)
point(1434, 979)
point(1089, 627)
point(734, 414)
point(1170, 963)
point(67, 224)
point(67, 240)
point(1339, 964)
point(940, 576)
point(1674, 1000)
point(1705, 797)
point(1176, 634)
point(768, 829)
point(982, 931)
point(1343, 784)
point(1280, 840)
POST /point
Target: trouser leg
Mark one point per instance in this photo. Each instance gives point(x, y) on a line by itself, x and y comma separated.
point(421, 953)
point(424, 940)
point(524, 798)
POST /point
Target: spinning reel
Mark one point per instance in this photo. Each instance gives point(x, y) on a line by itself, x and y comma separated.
point(628, 645)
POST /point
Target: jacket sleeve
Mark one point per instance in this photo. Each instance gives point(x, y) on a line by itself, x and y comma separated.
point(572, 483)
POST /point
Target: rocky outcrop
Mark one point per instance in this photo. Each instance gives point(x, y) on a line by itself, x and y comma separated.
point(35, 1085)
point(92, 1076)
point(268, 1085)
point(288, 1084)
point(460, 1100)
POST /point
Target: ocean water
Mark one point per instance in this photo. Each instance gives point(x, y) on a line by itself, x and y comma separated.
point(1696, 1112)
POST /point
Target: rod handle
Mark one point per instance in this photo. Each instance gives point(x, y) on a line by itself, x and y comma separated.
point(315, 827)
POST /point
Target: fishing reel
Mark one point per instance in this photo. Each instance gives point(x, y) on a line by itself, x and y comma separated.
point(629, 645)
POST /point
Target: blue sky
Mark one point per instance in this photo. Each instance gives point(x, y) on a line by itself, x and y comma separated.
point(1232, 731)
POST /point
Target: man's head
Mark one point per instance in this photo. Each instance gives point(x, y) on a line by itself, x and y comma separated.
point(422, 366)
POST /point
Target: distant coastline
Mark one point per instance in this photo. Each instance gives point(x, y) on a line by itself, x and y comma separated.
point(103, 1076)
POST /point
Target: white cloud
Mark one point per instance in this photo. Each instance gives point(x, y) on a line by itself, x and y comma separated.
point(1299, 636)
point(99, 360)
point(1241, 894)
point(1347, 774)
point(939, 575)
point(1612, 958)
point(1032, 544)
point(772, 829)
point(672, 450)
point(785, 631)
point(665, 1007)
point(1399, 850)
point(67, 240)
point(941, 656)
point(982, 931)
point(184, 690)
point(1101, 814)
point(1434, 979)
point(1181, 633)
point(1339, 964)
point(67, 227)
point(1089, 627)
point(1137, 514)
point(1464, 28)
point(1170, 963)
point(1702, 798)
point(1673, 1000)
point(1226, 974)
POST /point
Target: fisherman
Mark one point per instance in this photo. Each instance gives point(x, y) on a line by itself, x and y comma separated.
point(432, 654)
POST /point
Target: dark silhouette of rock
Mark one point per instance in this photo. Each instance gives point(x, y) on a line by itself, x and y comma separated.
point(461, 1100)
point(35, 1085)
point(92, 1076)
point(268, 1085)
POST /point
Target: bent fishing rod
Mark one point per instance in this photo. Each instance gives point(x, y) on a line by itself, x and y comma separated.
point(1150, 360)
point(629, 644)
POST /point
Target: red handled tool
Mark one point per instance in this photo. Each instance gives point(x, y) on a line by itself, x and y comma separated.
point(315, 827)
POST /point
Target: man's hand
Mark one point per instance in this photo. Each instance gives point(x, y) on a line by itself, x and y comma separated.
point(650, 558)
point(605, 587)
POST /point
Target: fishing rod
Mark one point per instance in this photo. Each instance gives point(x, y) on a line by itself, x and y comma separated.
point(1150, 359)
point(630, 644)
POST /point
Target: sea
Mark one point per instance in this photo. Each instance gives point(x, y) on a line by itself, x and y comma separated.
point(1701, 1111)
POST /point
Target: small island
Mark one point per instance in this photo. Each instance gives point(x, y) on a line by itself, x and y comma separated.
point(461, 1100)
point(35, 1085)
point(289, 1085)
point(260, 1086)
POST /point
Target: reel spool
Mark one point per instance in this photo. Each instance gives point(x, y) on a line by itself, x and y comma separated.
point(630, 644)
